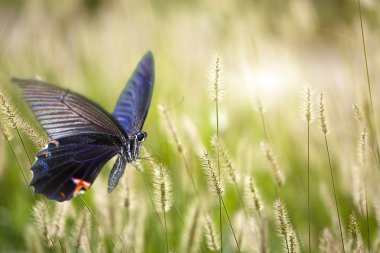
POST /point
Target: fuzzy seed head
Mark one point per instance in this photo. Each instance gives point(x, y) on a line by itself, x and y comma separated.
point(8, 109)
point(307, 105)
point(214, 182)
point(211, 236)
point(279, 178)
point(354, 236)
point(285, 228)
point(193, 225)
point(216, 92)
point(252, 196)
point(41, 221)
point(218, 145)
point(327, 242)
point(4, 133)
point(162, 189)
point(322, 115)
point(17, 122)
point(169, 126)
point(358, 113)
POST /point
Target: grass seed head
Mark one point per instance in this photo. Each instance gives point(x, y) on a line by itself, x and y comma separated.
point(162, 189)
point(279, 178)
point(307, 110)
point(214, 181)
point(169, 126)
point(322, 115)
point(211, 235)
point(216, 90)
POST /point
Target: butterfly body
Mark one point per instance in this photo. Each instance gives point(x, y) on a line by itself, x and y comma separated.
point(84, 136)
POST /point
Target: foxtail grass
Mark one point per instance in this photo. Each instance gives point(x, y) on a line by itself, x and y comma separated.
point(327, 242)
point(211, 236)
point(219, 145)
point(360, 177)
point(277, 171)
point(190, 239)
point(324, 129)
point(355, 241)
point(252, 196)
point(162, 195)
point(308, 116)
point(216, 94)
point(216, 186)
point(372, 112)
point(285, 228)
point(172, 131)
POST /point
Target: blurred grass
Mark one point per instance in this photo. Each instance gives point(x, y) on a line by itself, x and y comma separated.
point(270, 49)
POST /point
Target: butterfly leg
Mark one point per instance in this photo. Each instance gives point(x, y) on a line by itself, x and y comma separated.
point(117, 172)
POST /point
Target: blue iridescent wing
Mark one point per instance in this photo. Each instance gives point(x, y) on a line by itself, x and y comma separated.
point(69, 166)
point(63, 113)
point(133, 104)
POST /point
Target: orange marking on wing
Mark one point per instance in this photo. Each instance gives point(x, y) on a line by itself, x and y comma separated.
point(54, 142)
point(81, 185)
point(63, 195)
point(43, 155)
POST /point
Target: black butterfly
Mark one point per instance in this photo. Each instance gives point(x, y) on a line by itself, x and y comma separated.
point(84, 136)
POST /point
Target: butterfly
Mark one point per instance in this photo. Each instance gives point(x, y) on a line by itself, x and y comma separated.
point(84, 136)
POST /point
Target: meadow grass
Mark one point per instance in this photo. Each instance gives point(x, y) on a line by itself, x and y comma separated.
point(215, 175)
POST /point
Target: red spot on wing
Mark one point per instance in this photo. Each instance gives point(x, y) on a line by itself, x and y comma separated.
point(81, 185)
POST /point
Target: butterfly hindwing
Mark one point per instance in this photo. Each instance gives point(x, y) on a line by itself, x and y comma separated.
point(69, 165)
point(133, 104)
point(63, 113)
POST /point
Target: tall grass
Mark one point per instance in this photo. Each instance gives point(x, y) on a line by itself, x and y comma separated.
point(269, 50)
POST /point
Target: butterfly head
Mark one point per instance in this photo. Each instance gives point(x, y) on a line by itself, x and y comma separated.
point(134, 145)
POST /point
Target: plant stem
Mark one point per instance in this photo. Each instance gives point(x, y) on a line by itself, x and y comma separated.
point(217, 155)
point(166, 234)
point(229, 221)
point(377, 154)
point(308, 181)
point(335, 197)
point(99, 224)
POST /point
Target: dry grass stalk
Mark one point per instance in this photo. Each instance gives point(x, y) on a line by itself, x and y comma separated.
point(252, 196)
point(169, 126)
point(219, 145)
point(209, 168)
point(80, 235)
point(162, 191)
point(307, 111)
point(211, 236)
point(322, 115)
point(216, 90)
point(355, 241)
point(190, 236)
point(328, 243)
point(279, 178)
point(17, 122)
point(41, 221)
point(285, 228)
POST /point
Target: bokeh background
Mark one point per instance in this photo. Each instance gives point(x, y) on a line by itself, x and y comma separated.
point(270, 51)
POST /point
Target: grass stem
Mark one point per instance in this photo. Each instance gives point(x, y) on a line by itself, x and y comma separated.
point(334, 190)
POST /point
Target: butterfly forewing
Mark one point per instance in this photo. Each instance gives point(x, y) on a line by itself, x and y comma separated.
point(63, 113)
point(133, 104)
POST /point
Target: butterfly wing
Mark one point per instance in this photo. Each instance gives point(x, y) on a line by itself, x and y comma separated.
point(133, 104)
point(69, 166)
point(62, 113)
